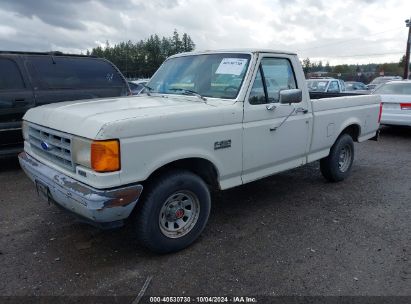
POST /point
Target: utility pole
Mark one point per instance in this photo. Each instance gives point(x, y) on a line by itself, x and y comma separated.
point(407, 54)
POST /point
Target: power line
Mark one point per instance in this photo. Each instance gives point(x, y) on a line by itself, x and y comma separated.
point(349, 40)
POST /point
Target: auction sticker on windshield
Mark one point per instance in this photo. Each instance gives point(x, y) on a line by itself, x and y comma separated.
point(232, 66)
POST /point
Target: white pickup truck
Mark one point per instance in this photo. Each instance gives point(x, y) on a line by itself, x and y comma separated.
point(214, 119)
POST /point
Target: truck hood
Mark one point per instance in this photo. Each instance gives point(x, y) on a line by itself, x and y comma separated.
point(131, 116)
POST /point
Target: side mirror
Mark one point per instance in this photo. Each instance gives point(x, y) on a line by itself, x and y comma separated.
point(291, 96)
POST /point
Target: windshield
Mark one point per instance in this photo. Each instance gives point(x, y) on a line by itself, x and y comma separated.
point(210, 75)
point(317, 85)
point(394, 89)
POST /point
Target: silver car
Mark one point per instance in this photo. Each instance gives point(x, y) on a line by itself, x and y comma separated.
point(396, 102)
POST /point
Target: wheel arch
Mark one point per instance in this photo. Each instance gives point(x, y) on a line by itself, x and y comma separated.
point(202, 167)
point(353, 129)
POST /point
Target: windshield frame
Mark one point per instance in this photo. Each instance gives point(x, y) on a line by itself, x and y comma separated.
point(241, 89)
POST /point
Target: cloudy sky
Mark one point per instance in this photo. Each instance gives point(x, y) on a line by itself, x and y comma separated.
point(338, 31)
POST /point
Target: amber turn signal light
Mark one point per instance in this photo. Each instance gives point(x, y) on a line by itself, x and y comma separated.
point(105, 155)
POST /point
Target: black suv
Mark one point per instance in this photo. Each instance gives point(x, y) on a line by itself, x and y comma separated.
point(33, 79)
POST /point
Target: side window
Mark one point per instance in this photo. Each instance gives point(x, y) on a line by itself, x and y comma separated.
point(333, 87)
point(92, 72)
point(68, 73)
point(10, 77)
point(277, 74)
point(257, 94)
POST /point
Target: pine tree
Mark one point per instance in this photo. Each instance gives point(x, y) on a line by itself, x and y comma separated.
point(141, 59)
point(176, 43)
point(306, 65)
point(188, 44)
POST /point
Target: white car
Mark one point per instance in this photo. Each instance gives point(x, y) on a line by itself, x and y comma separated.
point(326, 85)
point(396, 102)
point(209, 120)
point(380, 80)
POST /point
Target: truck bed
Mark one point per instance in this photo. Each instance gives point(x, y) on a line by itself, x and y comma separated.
point(333, 115)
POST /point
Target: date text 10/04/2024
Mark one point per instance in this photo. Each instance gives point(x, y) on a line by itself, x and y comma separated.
point(203, 299)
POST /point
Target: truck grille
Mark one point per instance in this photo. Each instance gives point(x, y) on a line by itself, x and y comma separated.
point(52, 145)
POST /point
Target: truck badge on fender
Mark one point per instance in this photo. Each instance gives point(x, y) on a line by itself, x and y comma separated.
point(222, 144)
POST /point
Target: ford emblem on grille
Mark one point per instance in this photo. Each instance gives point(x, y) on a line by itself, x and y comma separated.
point(45, 146)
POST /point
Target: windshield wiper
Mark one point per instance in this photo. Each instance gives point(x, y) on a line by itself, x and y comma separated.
point(189, 92)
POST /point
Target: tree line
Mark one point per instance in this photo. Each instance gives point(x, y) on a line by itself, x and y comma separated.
point(141, 59)
point(349, 72)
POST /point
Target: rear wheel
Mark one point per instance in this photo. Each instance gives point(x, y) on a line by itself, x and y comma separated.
point(337, 165)
point(175, 211)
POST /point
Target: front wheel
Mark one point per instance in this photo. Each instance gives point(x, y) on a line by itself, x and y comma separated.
point(337, 165)
point(175, 211)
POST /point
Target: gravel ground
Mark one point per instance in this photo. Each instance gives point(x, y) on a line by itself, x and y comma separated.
point(290, 234)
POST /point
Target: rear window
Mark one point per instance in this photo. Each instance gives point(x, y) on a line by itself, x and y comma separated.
point(10, 77)
point(394, 88)
point(385, 79)
point(317, 85)
point(76, 72)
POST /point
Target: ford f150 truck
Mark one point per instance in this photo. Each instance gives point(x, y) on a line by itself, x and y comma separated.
point(213, 119)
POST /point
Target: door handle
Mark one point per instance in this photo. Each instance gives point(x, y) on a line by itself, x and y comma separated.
point(271, 107)
point(301, 110)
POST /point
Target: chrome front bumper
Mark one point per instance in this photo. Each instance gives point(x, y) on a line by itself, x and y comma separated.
point(95, 206)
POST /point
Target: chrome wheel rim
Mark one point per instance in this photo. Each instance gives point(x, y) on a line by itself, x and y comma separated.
point(344, 159)
point(179, 214)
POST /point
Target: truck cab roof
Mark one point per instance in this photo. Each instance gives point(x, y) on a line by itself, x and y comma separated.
point(239, 50)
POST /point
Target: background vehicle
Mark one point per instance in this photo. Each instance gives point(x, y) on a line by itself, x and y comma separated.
point(326, 85)
point(194, 131)
point(380, 80)
point(356, 86)
point(137, 86)
point(396, 102)
point(33, 79)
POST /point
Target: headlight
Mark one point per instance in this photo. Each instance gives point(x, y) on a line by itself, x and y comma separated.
point(81, 151)
point(25, 130)
point(99, 155)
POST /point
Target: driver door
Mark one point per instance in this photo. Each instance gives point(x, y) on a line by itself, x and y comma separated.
point(271, 141)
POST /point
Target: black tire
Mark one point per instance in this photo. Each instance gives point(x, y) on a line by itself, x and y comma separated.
point(331, 167)
point(164, 192)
